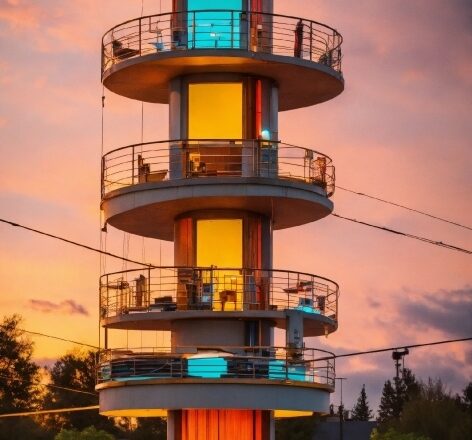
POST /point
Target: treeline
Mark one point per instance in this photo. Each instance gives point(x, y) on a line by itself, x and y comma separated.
point(71, 384)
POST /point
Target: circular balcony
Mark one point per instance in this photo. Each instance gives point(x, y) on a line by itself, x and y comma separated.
point(267, 378)
point(141, 56)
point(154, 298)
point(146, 186)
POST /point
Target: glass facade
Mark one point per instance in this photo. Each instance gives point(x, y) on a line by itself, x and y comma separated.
point(214, 24)
point(215, 111)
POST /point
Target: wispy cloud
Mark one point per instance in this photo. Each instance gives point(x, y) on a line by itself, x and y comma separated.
point(446, 310)
point(68, 307)
point(20, 14)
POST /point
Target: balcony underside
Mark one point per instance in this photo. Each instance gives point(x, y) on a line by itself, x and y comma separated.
point(313, 324)
point(149, 396)
point(146, 78)
point(149, 209)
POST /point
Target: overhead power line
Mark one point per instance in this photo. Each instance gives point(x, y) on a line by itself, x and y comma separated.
point(50, 385)
point(398, 205)
point(75, 243)
point(381, 350)
point(405, 234)
point(54, 337)
point(50, 411)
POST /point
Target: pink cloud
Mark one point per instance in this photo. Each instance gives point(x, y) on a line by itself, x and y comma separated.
point(68, 307)
point(20, 14)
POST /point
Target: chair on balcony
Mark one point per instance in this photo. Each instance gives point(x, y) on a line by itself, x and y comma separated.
point(228, 295)
point(145, 174)
point(121, 52)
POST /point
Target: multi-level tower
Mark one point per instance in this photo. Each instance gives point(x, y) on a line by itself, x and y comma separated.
point(218, 189)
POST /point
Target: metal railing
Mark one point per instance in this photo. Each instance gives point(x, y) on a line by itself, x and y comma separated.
point(222, 29)
point(192, 158)
point(270, 363)
point(165, 289)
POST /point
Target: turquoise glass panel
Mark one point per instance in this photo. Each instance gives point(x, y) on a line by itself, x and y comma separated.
point(307, 309)
point(278, 370)
point(214, 24)
point(210, 368)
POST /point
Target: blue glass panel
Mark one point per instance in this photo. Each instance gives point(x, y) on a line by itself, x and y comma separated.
point(211, 368)
point(307, 309)
point(219, 28)
point(278, 370)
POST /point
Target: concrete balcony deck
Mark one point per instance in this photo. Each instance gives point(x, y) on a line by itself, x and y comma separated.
point(269, 378)
point(155, 298)
point(146, 186)
point(141, 56)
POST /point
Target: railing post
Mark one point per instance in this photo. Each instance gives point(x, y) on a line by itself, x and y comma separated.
point(132, 165)
point(232, 29)
point(311, 41)
point(103, 177)
point(140, 35)
point(194, 29)
point(149, 287)
point(102, 60)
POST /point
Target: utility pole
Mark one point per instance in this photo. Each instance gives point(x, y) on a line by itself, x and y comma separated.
point(341, 410)
point(398, 356)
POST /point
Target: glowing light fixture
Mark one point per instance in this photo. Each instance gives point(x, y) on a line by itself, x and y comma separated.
point(265, 134)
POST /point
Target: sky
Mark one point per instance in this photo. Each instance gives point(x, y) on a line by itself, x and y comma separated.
point(401, 131)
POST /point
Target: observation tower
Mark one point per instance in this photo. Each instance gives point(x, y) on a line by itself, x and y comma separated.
point(218, 189)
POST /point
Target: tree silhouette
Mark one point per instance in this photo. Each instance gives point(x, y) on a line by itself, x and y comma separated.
point(19, 376)
point(75, 370)
point(19, 379)
point(396, 394)
point(361, 410)
point(434, 414)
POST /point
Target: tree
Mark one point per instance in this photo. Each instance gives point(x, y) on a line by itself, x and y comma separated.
point(391, 434)
point(89, 433)
point(432, 413)
point(361, 411)
point(75, 370)
point(149, 427)
point(297, 428)
point(466, 399)
point(19, 376)
point(394, 396)
point(388, 408)
point(19, 379)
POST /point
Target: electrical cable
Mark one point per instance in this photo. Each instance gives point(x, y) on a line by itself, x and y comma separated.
point(405, 234)
point(54, 337)
point(381, 350)
point(50, 385)
point(75, 243)
point(398, 205)
point(50, 411)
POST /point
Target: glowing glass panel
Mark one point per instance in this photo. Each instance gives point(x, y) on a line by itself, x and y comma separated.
point(207, 367)
point(280, 371)
point(220, 244)
point(218, 28)
point(215, 111)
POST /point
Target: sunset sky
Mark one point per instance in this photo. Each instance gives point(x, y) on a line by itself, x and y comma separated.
point(402, 131)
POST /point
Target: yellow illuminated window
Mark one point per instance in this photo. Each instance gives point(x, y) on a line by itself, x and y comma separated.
point(215, 111)
point(220, 244)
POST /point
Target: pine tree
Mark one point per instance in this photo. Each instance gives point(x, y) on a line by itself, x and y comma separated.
point(394, 396)
point(387, 403)
point(361, 411)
